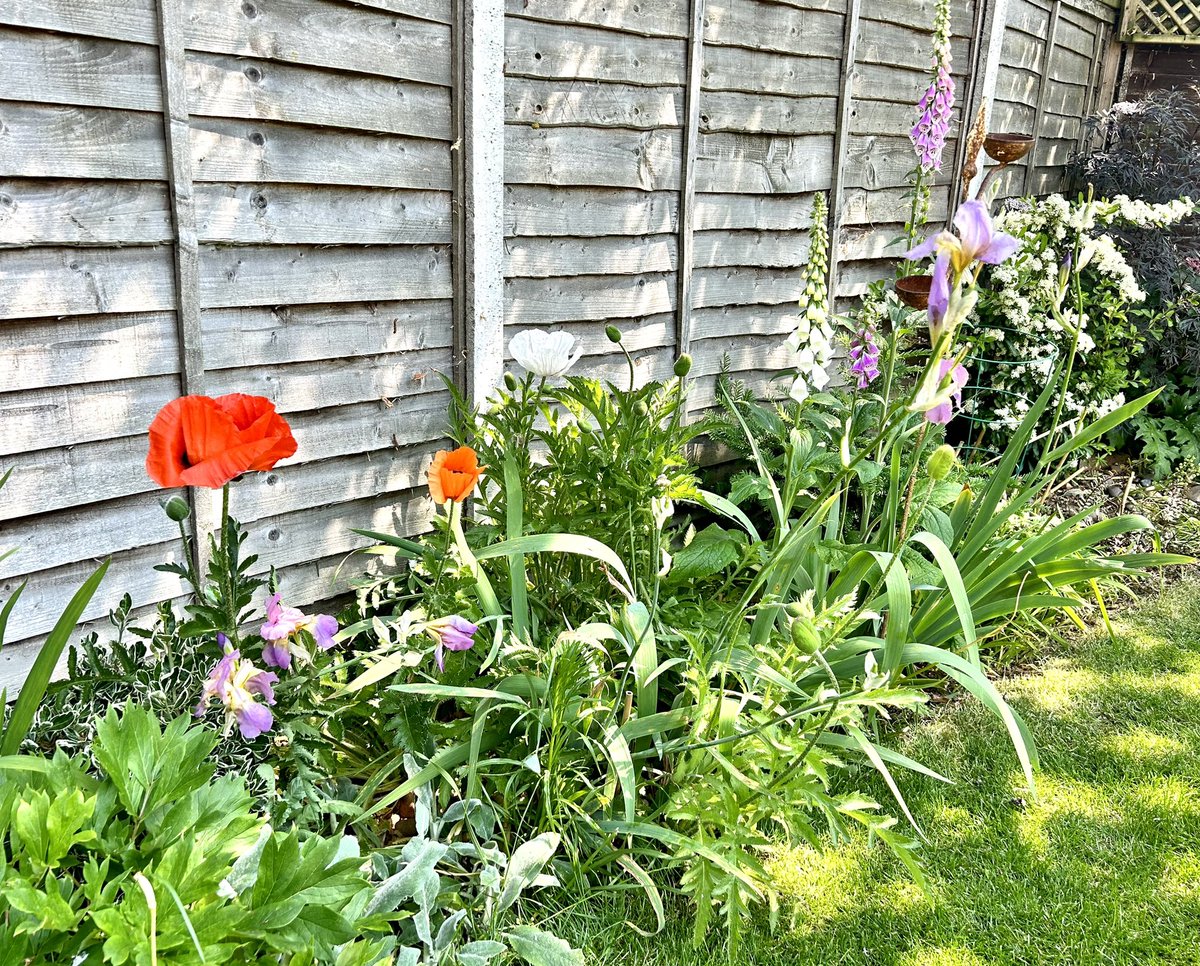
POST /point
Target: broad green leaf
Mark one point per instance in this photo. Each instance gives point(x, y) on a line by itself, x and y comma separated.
point(524, 866)
point(572, 543)
point(540, 948)
point(718, 504)
point(622, 762)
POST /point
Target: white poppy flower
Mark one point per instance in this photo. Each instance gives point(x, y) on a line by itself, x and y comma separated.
point(545, 354)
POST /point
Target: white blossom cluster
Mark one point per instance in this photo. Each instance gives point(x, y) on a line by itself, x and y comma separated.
point(1020, 340)
point(1142, 214)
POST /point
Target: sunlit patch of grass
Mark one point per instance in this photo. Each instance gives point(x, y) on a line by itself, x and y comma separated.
point(1101, 866)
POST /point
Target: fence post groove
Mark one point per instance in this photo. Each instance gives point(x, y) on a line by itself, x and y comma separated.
point(982, 90)
point(687, 182)
point(478, 258)
point(176, 130)
point(1043, 89)
point(841, 144)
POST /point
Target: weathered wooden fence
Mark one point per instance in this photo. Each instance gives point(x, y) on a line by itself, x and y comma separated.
point(330, 202)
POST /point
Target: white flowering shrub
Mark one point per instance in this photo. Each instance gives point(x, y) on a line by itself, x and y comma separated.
point(1017, 337)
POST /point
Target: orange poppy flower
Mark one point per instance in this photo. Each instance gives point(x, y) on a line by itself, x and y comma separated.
point(454, 475)
point(198, 441)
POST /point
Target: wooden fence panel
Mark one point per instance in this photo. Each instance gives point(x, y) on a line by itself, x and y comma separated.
point(276, 197)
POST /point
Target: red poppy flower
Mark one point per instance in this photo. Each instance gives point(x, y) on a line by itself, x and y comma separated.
point(454, 475)
point(198, 441)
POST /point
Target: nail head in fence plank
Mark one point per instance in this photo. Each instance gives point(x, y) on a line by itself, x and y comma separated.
point(687, 187)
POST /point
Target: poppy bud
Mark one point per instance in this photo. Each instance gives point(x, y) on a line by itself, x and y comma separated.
point(510, 382)
point(613, 333)
point(177, 509)
point(683, 365)
point(942, 461)
point(804, 635)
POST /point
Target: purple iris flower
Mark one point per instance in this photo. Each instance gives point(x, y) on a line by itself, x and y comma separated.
point(283, 624)
point(451, 634)
point(944, 411)
point(977, 240)
point(238, 684)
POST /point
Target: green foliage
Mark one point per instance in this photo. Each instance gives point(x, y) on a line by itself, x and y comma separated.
point(16, 721)
point(152, 860)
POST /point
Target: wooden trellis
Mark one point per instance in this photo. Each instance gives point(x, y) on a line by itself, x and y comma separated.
point(1161, 21)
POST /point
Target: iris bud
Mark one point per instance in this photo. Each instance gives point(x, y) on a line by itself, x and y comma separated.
point(177, 509)
point(941, 462)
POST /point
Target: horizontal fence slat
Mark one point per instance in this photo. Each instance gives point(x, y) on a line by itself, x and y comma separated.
point(304, 274)
point(597, 158)
point(530, 301)
point(547, 257)
point(535, 49)
point(766, 114)
point(52, 212)
point(321, 33)
point(759, 164)
point(548, 210)
point(36, 282)
point(80, 142)
point(662, 18)
point(84, 71)
point(221, 86)
point(39, 353)
point(226, 150)
point(246, 337)
point(765, 72)
point(288, 215)
point(134, 20)
point(573, 102)
point(767, 26)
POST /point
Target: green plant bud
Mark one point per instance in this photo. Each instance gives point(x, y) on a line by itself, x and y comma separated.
point(683, 365)
point(804, 635)
point(941, 462)
point(510, 381)
point(795, 609)
point(642, 408)
point(613, 333)
point(177, 509)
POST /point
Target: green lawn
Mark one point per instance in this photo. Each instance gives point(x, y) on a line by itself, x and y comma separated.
point(1103, 866)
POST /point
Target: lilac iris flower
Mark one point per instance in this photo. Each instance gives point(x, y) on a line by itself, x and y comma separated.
point(285, 623)
point(451, 634)
point(977, 240)
point(864, 357)
point(944, 411)
point(238, 684)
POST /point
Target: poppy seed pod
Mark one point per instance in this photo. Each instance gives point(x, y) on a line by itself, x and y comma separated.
point(804, 635)
point(177, 509)
point(683, 365)
point(941, 461)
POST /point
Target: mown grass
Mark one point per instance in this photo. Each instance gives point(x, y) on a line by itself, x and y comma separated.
point(1102, 866)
